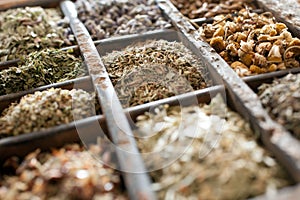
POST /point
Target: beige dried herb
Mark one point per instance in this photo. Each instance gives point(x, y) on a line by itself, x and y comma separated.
point(24, 30)
point(46, 109)
point(70, 172)
point(105, 19)
point(154, 70)
point(282, 100)
point(220, 157)
point(41, 68)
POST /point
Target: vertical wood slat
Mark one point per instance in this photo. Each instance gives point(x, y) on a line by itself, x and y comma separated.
point(130, 161)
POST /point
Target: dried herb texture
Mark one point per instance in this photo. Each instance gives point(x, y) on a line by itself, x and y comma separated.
point(222, 159)
point(24, 30)
point(41, 68)
point(45, 109)
point(252, 43)
point(105, 19)
point(282, 100)
point(154, 70)
point(210, 8)
point(66, 173)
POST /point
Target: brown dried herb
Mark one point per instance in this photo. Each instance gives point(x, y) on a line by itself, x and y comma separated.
point(105, 19)
point(282, 100)
point(219, 158)
point(154, 70)
point(210, 8)
point(24, 30)
point(45, 109)
point(41, 68)
point(70, 172)
point(252, 43)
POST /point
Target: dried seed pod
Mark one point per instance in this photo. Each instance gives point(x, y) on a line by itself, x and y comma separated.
point(41, 68)
point(46, 109)
point(219, 158)
point(24, 30)
point(70, 172)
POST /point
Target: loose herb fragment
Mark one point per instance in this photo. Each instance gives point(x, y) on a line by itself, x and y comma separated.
point(282, 100)
point(252, 43)
point(105, 19)
point(41, 68)
point(154, 70)
point(66, 173)
point(222, 161)
point(24, 30)
point(45, 109)
point(210, 8)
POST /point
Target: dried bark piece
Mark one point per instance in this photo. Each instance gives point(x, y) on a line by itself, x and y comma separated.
point(70, 172)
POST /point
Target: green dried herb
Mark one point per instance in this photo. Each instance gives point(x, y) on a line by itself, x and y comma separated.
point(66, 173)
point(41, 68)
point(282, 100)
point(24, 30)
point(154, 70)
point(219, 158)
point(46, 109)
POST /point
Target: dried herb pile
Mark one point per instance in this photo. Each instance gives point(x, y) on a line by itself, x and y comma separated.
point(220, 160)
point(66, 173)
point(282, 100)
point(252, 43)
point(41, 68)
point(104, 19)
point(154, 70)
point(210, 8)
point(46, 109)
point(24, 30)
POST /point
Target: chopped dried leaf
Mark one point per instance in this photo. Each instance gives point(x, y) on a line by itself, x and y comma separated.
point(41, 68)
point(24, 30)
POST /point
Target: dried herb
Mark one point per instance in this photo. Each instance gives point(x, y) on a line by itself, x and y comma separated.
point(24, 30)
point(222, 161)
point(210, 8)
point(41, 68)
point(45, 109)
point(66, 173)
point(154, 70)
point(282, 100)
point(252, 43)
point(105, 19)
